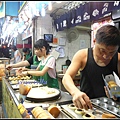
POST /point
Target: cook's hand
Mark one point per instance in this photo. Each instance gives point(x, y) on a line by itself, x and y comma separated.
point(24, 69)
point(81, 100)
point(19, 69)
point(9, 67)
point(107, 93)
point(18, 72)
point(24, 73)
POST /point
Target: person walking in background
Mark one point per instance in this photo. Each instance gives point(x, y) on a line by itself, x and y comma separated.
point(46, 69)
point(94, 62)
point(26, 53)
point(5, 51)
point(17, 55)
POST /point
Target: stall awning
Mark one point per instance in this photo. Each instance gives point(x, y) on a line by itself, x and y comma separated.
point(85, 13)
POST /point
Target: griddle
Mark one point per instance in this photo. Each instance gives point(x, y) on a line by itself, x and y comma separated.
point(38, 100)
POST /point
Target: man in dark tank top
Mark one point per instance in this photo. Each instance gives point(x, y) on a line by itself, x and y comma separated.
point(94, 62)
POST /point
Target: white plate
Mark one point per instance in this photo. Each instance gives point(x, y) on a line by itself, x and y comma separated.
point(43, 92)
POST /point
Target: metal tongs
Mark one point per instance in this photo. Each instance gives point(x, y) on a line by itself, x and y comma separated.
point(106, 84)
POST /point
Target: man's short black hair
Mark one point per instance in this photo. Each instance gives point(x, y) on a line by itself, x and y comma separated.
point(109, 35)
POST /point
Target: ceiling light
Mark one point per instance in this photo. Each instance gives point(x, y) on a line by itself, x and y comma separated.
point(43, 10)
point(50, 5)
point(58, 1)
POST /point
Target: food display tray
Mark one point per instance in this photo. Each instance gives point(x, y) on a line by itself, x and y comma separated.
point(107, 104)
point(61, 115)
point(32, 83)
point(96, 112)
point(32, 116)
point(14, 77)
point(24, 82)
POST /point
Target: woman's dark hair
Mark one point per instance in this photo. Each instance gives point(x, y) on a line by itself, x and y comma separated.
point(108, 35)
point(25, 50)
point(42, 43)
point(13, 47)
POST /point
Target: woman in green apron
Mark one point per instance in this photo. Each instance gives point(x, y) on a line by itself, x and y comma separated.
point(27, 55)
point(36, 63)
point(33, 60)
point(46, 79)
point(46, 69)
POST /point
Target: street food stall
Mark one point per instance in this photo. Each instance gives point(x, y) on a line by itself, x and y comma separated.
point(17, 103)
point(22, 96)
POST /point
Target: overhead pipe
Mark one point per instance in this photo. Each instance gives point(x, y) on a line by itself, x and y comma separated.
point(83, 28)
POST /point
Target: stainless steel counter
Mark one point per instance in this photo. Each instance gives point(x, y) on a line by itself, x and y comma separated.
point(76, 81)
point(65, 98)
point(63, 102)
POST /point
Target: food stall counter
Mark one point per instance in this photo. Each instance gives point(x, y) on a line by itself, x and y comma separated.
point(76, 81)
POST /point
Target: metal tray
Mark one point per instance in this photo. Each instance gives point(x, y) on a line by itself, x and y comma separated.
point(32, 83)
point(24, 82)
point(17, 78)
point(30, 113)
point(97, 112)
point(61, 115)
point(107, 104)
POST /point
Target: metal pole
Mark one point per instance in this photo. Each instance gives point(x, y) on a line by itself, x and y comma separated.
point(33, 35)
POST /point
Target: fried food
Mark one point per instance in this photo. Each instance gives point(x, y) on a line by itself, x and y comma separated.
point(108, 115)
point(19, 78)
point(80, 111)
point(39, 112)
point(54, 111)
point(112, 84)
point(24, 89)
point(90, 116)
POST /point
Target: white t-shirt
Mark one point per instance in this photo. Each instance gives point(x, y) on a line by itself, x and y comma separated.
point(51, 64)
point(17, 58)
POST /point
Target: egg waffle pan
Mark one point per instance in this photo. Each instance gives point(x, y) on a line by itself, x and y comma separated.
point(107, 104)
point(76, 113)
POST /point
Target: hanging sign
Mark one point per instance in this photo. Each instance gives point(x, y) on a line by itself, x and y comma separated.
point(86, 13)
